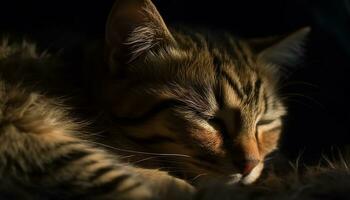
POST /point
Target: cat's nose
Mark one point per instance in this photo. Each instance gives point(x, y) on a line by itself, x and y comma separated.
point(249, 165)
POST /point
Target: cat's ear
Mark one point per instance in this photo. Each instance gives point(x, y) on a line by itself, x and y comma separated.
point(133, 28)
point(281, 50)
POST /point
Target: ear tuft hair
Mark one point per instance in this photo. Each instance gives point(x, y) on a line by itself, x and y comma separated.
point(134, 27)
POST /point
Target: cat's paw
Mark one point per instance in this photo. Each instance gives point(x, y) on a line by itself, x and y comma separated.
point(165, 186)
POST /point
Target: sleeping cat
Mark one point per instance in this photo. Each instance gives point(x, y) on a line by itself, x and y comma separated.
point(209, 98)
point(194, 104)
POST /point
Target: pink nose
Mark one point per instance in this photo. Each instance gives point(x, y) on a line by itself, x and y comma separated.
point(249, 165)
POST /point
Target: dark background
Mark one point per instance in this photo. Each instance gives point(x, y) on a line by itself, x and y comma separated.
point(318, 105)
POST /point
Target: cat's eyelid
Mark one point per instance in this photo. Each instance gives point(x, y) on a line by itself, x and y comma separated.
point(211, 117)
point(265, 122)
point(214, 119)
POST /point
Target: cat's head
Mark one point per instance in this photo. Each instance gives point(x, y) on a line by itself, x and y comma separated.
point(205, 95)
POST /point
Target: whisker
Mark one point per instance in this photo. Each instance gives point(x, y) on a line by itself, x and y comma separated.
point(299, 102)
point(287, 100)
point(296, 83)
point(198, 176)
point(125, 157)
point(140, 152)
point(306, 97)
point(300, 83)
point(146, 159)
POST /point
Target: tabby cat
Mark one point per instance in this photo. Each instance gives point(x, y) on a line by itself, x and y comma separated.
point(195, 104)
point(208, 97)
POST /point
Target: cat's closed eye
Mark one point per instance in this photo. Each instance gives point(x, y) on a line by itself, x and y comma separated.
point(265, 122)
point(218, 124)
point(220, 84)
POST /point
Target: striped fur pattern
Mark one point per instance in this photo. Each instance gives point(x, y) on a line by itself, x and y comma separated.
point(196, 104)
point(210, 97)
point(44, 155)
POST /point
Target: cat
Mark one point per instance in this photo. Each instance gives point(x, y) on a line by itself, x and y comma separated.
point(196, 105)
point(207, 98)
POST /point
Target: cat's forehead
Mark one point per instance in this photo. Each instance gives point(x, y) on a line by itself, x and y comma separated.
point(204, 61)
point(218, 50)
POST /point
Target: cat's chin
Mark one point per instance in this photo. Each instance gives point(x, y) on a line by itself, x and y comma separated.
point(248, 179)
point(253, 175)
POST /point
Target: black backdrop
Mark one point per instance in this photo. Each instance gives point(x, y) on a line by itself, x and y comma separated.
point(318, 106)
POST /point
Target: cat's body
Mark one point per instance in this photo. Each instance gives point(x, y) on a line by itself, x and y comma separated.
point(200, 106)
point(45, 153)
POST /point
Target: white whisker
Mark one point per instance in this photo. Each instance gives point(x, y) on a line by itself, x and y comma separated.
point(141, 152)
point(198, 176)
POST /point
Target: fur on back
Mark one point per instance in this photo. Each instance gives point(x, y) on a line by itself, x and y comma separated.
point(45, 155)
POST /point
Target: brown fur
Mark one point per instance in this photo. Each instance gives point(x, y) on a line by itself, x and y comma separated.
point(209, 98)
point(197, 104)
point(44, 155)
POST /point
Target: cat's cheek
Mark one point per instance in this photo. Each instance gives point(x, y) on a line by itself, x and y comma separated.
point(211, 141)
point(268, 141)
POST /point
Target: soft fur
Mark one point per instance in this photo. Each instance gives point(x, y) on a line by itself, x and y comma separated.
point(44, 153)
point(208, 98)
point(328, 181)
point(202, 106)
